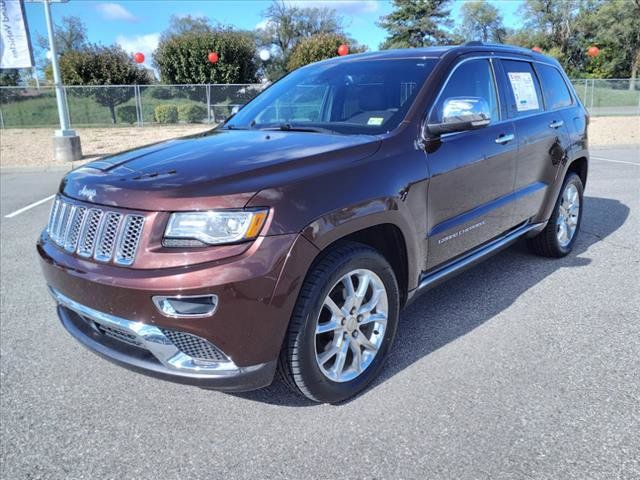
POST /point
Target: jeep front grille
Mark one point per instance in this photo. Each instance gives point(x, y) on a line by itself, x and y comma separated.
point(96, 233)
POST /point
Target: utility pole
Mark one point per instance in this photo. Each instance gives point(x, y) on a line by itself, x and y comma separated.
point(66, 142)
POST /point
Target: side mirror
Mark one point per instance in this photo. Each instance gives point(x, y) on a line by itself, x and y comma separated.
point(461, 113)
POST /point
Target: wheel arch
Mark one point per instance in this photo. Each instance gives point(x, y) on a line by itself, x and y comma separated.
point(386, 231)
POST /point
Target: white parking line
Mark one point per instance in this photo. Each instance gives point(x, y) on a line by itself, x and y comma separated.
point(614, 161)
point(28, 207)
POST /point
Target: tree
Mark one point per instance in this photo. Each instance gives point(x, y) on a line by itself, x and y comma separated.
point(566, 29)
point(615, 28)
point(554, 25)
point(70, 34)
point(9, 77)
point(286, 25)
point(416, 23)
point(318, 47)
point(98, 65)
point(182, 58)
point(481, 21)
point(187, 24)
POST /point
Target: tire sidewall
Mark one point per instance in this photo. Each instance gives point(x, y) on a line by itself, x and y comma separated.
point(321, 387)
point(575, 180)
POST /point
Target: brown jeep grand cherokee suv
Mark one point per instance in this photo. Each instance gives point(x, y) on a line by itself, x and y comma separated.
point(290, 237)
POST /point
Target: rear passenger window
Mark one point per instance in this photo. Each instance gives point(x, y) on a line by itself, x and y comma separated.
point(556, 92)
point(524, 93)
point(473, 78)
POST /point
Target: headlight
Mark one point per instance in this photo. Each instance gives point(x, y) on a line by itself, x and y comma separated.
point(198, 229)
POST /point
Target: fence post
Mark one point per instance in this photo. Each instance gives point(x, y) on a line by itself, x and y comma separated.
point(593, 84)
point(136, 91)
point(208, 91)
point(66, 104)
point(586, 90)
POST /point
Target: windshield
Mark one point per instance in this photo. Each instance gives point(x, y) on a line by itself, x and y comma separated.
point(354, 97)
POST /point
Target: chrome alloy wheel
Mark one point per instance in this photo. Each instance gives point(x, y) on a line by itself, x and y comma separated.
point(351, 325)
point(568, 215)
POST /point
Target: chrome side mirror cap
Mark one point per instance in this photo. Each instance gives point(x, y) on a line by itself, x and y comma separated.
point(461, 113)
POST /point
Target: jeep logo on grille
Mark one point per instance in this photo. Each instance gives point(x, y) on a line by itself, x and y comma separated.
point(88, 193)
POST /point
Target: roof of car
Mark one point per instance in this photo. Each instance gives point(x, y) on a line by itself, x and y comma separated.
point(438, 52)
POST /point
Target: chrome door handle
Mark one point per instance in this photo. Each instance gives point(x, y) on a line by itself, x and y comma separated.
point(556, 124)
point(502, 139)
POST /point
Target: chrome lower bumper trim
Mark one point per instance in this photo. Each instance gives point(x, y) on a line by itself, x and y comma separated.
point(172, 361)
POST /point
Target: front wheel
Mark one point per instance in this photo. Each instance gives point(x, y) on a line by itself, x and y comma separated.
point(559, 236)
point(342, 326)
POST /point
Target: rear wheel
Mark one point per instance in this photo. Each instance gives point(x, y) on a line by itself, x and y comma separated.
point(343, 324)
point(559, 236)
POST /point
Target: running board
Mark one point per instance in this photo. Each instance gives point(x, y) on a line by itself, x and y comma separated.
point(432, 279)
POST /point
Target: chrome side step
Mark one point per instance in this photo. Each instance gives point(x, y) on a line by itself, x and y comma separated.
point(432, 279)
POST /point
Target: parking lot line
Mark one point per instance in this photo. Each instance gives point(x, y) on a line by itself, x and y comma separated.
point(29, 207)
point(614, 161)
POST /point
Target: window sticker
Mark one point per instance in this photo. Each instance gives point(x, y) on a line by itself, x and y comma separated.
point(524, 90)
point(375, 121)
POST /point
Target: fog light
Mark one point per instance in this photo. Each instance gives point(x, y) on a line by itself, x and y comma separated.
point(187, 306)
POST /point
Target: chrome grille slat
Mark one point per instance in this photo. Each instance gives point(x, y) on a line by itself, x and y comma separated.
point(54, 215)
point(75, 225)
point(60, 223)
point(129, 239)
point(68, 224)
point(89, 233)
point(105, 235)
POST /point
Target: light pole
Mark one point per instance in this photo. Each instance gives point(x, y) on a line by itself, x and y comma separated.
point(66, 143)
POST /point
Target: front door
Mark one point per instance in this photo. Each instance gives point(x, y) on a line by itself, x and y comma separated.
point(472, 172)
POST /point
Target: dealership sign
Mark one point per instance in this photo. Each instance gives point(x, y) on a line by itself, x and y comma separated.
point(15, 49)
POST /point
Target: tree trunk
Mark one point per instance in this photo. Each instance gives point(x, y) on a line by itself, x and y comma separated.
point(112, 111)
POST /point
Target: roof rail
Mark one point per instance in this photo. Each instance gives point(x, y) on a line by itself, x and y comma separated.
point(473, 43)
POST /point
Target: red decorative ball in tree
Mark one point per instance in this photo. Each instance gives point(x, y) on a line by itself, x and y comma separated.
point(138, 57)
point(343, 50)
point(537, 49)
point(593, 51)
point(213, 57)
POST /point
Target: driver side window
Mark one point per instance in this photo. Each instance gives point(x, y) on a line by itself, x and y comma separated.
point(473, 78)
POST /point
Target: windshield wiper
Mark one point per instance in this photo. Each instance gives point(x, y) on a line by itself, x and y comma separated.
point(287, 127)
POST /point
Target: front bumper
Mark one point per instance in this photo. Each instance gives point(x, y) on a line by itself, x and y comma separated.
point(257, 291)
point(149, 351)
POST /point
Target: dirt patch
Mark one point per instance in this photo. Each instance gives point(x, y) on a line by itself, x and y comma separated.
point(34, 147)
point(614, 131)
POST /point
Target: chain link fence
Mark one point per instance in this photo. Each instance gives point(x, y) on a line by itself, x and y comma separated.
point(122, 105)
point(607, 97)
point(143, 105)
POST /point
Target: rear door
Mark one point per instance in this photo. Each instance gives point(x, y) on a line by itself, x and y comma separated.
point(541, 136)
point(472, 172)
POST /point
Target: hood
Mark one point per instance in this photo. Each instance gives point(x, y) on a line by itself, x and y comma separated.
point(216, 169)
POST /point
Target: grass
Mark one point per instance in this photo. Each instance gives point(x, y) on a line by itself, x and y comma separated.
point(40, 110)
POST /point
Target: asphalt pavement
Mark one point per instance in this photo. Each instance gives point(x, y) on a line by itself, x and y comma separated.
point(522, 367)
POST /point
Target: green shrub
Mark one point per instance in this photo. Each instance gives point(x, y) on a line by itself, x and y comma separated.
point(166, 113)
point(182, 58)
point(127, 114)
point(192, 112)
point(161, 92)
point(319, 47)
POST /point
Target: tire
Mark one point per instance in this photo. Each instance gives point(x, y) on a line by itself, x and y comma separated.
point(548, 242)
point(300, 362)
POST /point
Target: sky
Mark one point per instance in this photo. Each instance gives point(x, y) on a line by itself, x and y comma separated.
point(136, 24)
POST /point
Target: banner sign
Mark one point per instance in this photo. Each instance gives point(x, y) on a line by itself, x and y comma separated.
point(15, 48)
